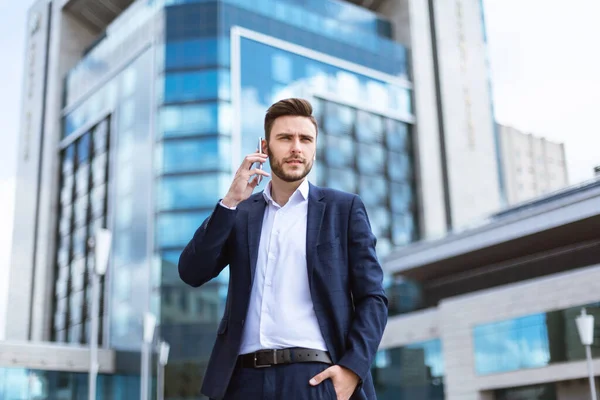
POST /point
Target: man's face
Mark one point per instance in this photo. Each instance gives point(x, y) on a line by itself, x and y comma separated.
point(292, 147)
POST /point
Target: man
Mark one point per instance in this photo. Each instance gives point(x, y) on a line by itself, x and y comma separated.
point(305, 308)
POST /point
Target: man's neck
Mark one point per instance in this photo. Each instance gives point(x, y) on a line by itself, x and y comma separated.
point(281, 191)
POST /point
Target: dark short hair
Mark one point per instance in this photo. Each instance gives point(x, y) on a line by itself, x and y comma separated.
point(288, 107)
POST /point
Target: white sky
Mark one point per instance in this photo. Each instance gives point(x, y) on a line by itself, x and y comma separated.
point(544, 70)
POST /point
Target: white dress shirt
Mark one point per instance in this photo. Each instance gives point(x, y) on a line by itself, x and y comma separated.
point(280, 312)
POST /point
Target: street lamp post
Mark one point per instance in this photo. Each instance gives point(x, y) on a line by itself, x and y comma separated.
point(100, 244)
point(585, 326)
point(149, 326)
point(163, 358)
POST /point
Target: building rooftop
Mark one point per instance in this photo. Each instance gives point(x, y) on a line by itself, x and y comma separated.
point(561, 218)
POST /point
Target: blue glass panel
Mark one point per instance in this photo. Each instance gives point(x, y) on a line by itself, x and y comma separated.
point(369, 127)
point(395, 371)
point(399, 166)
point(83, 148)
point(191, 53)
point(373, 190)
point(189, 191)
point(511, 345)
point(209, 154)
point(401, 197)
point(189, 119)
point(341, 179)
point(197, 85)
point(177, 229)
point(339, 119)
point(403, 229)
point(397, 135)
point(371, 160)
point(339, 151)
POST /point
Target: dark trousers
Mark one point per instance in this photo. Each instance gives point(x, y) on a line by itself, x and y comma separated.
point(279, 382)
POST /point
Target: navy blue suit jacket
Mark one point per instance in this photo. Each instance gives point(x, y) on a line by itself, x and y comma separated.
point(345, 280)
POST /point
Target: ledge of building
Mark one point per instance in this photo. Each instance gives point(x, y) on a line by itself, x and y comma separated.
point(97, 14)
point(53, 357)
point(559, 220)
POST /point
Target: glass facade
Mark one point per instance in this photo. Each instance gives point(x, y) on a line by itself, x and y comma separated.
point(82, 210)
point(27, 384)
point(531, 341)
point(409, 372)
point(174, 135)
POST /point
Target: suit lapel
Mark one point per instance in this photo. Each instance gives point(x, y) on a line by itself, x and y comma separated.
point(316, 209)
point(255, 221)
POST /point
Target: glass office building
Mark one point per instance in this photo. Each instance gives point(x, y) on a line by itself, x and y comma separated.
point(159, 113)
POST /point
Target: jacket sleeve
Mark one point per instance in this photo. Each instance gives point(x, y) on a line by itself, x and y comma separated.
point(370, 301)
point(207, 253)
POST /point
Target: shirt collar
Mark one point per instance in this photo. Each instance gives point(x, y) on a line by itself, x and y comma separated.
point(302, 189)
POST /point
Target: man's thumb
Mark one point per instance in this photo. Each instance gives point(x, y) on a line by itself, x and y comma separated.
point(320, 377)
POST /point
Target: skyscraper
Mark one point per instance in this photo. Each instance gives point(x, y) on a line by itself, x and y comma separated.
point(136, 114)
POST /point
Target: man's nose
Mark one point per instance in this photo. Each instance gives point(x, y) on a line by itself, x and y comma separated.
point(296, 148)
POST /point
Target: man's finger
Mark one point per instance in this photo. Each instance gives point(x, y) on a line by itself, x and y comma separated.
point(317, 379)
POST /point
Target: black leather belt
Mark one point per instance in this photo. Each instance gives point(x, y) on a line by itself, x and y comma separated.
point(268, 358)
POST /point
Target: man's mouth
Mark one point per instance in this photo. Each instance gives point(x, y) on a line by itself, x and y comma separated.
point(295, 161)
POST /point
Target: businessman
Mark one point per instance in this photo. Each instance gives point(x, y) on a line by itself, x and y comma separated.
point(305, 308)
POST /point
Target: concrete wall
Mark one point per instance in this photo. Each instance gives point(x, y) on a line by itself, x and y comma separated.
point(467, 114)
point(31, 278)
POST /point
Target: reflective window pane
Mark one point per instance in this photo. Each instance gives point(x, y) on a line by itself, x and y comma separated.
point(182, 192)
point(402, 229)
point(372, 190)
point(341, 179)
point(339, 151)
point(83, 148)
point(211, 154)
point(189, 119)
point(401, 197)
point(369, 127)
point(81, 209)
point(68, 159)
point(101, 137)
point(397, 135)
point(197, 85)
point(99, 170)
point(371, 160)
point(339, 119)
point(82, 178)
point(399, 167)
point(177, 229)
point(191, 53)
point(98, 199)
point(395, 372)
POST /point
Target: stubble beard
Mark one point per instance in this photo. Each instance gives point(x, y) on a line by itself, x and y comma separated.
point(277, 167)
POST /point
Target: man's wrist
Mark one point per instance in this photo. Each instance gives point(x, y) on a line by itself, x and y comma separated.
point(228, 203)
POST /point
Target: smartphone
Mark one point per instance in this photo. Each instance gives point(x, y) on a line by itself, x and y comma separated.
point(260, 152)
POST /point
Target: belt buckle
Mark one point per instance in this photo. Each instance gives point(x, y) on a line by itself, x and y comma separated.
point(266, 365)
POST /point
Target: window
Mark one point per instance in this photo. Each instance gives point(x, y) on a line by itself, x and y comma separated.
point(371, 160)
point(341, 179)
point(369, 127)
point(414, 371)
point(339, 151)
point(530, 341)
point(191, 53)
point(177, 229)
point(397, 135)
point(399, 167)
point(211, 154)
point(373, 190)
point(197, 85)
point(184, 192)
point(190, 119)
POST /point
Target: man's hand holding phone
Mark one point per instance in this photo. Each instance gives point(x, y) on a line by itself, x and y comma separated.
point(242, 187)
